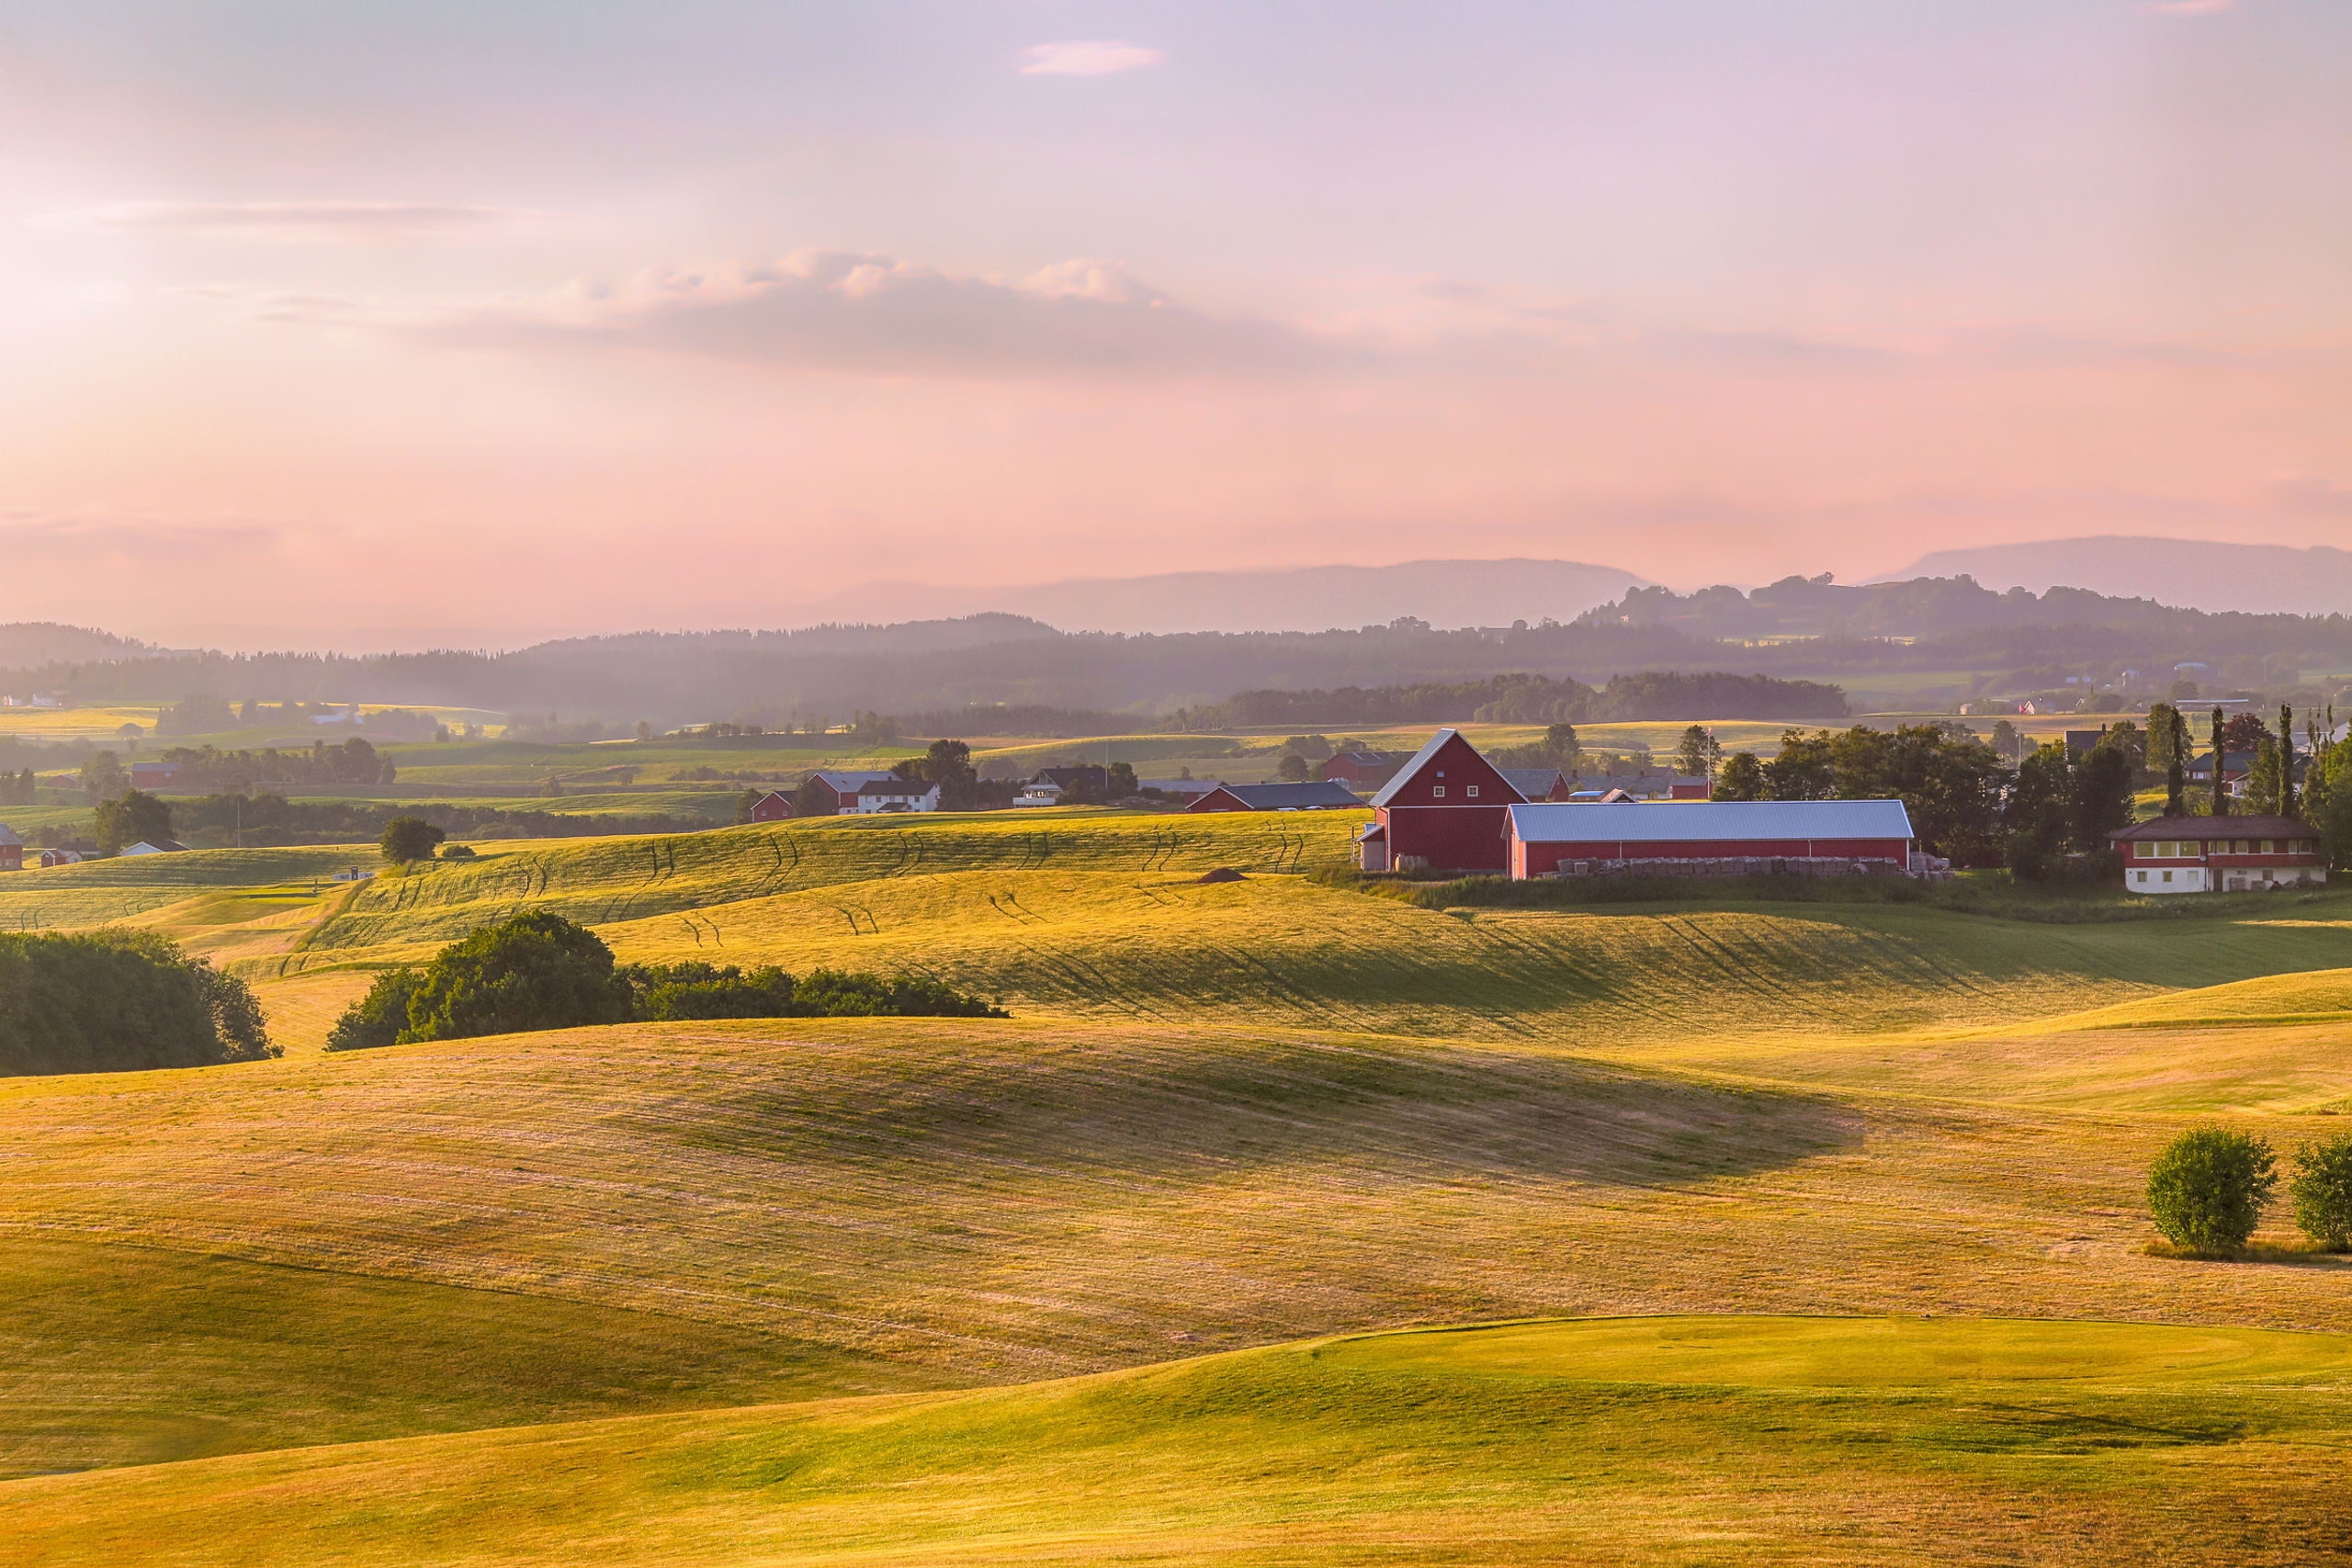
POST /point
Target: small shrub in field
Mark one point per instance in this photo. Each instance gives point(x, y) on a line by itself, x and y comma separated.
point(2208, 1190)
point(2322, 1191)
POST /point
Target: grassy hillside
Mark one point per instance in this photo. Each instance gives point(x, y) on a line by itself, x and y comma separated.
point(801, 1207)
point(1103, 915)
point(1651, 1441)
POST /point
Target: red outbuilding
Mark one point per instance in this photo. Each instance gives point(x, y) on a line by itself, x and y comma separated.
point(1721, 838)
point(1443, 811)
point(773, 806)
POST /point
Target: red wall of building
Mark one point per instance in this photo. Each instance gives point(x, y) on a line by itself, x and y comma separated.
point(1543, 859)
point(1455, 768)
point(1451, 838)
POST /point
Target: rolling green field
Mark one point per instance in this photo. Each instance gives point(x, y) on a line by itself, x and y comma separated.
point(1847, 1196)
point(1662, 1440)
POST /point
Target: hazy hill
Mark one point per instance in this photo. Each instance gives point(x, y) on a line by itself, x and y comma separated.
point(2203, 573)
point(1443, 593)
point(26, 645)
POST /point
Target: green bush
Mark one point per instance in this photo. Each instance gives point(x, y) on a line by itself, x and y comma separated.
point(535, 970)
point(2208, 1190)
point(833, 993)
point(665, 992)
point(2322, 1191)
point(378, 1017)
point(120, 1001)
point(540, 971)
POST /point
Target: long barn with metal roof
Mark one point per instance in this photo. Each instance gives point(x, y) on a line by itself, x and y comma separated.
point(1717, 836)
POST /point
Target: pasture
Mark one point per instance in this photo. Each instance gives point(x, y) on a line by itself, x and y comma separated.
point(1091, 1284)
point(1664, 1439)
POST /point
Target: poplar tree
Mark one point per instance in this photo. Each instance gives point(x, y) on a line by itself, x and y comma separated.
point(2220, 786)
point(2286, 761)
point(2176, 768)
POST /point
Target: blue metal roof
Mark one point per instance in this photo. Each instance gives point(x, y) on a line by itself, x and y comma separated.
point(1708, 821)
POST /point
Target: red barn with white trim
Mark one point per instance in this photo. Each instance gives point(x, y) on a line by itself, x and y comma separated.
point(1710, 836)
point(1443, 811)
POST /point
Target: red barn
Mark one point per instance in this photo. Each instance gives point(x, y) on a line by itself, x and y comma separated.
point(773, 806)
point(1443, 811)
point(1710, 838)
point(12, 849)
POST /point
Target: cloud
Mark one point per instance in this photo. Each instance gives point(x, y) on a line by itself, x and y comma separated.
point(1087, 57)
point(2193, 7)
point(848, 310)
point(292, 223)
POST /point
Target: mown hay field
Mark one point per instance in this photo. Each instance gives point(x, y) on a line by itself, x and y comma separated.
point(1654, 1440)
point(911, 1202)
point(1228, 1117)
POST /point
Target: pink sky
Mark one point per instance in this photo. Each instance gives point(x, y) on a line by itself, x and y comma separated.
point(387, 326)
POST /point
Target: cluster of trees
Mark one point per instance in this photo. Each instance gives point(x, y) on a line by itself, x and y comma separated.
point(353, 762)
point(1529, 699)
point(2062, 808)
point(1951, 781)
point(135, 817)
point(539, 971)
point(19, 789)
point(120, 1001)
point(2207, 1191)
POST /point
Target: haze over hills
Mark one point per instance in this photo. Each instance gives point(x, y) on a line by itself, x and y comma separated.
point(1309, 598)
point(2204, 573)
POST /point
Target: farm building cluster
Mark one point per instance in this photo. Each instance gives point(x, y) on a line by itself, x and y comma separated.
point(1451, 809)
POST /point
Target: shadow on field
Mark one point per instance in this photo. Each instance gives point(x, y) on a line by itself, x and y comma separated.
point(1219, 1107)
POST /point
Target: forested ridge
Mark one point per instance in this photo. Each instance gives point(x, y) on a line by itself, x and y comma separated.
point(946, 665)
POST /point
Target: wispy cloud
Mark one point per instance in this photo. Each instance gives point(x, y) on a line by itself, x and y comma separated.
point(1087, 57)
point(2193, 7)
point(293, 222)
point(845, 311)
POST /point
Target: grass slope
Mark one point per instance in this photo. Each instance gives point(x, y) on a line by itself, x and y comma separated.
point(122, 1355)
point(1651, 1441)
point(918, 1202)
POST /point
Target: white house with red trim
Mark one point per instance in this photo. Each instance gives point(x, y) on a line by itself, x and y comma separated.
point(2219, 854)
point(858, 794)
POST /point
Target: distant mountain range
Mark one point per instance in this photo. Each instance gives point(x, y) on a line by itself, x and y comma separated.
point(2196, 573)
point(1312, 598)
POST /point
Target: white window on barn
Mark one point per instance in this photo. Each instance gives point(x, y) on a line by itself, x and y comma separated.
point(1437, 792)
point(1471, 792)
point(2146, 850)
point(2267, 849)
point(2167, 876)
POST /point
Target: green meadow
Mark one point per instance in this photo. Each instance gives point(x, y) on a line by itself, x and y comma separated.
point(1810, 1232)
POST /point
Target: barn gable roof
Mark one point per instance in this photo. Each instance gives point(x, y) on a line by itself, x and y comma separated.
point(1286, 796)
point(1535, 783)
point(1428, 754)
point(1708, 821)
point(8, 837)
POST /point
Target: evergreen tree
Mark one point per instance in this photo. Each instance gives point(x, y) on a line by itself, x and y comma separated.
point(2286, 761)
point(2220, 786)
point(2176, 732)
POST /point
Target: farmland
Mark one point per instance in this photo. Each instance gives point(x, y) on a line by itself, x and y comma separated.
point(860, 1287)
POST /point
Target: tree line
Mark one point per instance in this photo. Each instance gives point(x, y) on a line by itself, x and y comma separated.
point(1521, 698)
